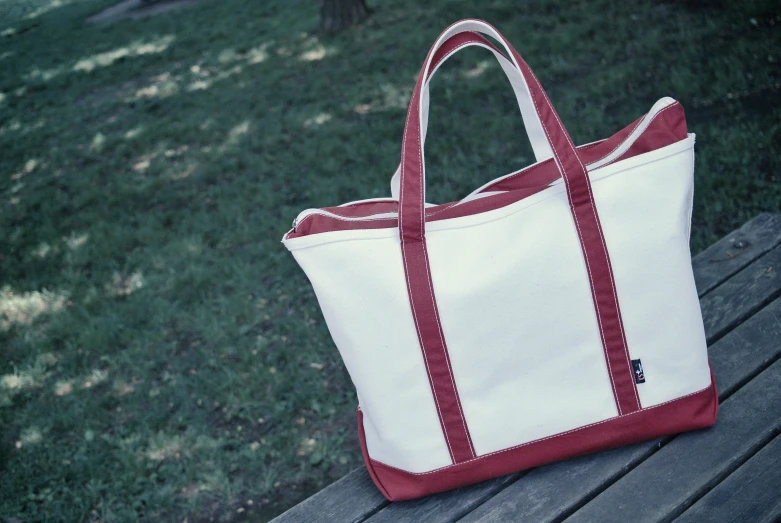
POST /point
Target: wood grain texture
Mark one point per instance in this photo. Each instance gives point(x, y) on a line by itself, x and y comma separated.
point(742, 295)
point(551, 492)
point(747, 350)
point(547, 492)
point(664, 485)
point(751, 493)
point(352, 498)
point(446, 506)
point(736, 250)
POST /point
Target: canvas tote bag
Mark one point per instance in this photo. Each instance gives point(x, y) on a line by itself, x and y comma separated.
point(550, 313)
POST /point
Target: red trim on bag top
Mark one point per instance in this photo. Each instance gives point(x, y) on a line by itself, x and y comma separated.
point(695, 411)
point(670, 121)
point(666, 129)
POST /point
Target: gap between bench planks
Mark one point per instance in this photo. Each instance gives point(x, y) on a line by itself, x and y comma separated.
point(750, 494)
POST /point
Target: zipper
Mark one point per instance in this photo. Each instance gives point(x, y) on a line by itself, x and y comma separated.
point(657, 108)
point(310, 212)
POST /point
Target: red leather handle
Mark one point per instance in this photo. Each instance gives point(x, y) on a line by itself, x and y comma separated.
point(412, 193)
point(450, 46)
point(456, 42)
point(585, 218)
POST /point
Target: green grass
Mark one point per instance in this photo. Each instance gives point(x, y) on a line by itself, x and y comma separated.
point(161, 354)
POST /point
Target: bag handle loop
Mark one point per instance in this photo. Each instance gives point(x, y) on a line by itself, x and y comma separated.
point(412, 175)
point(452, 45)
point(414, 252)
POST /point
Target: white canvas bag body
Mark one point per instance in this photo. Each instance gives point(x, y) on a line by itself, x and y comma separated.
point(550, 313)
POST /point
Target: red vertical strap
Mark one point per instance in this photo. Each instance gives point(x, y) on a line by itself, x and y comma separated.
point(593, 246)
point(426, 315)
point(432, 341)
point(418, 273)
point(421, 290)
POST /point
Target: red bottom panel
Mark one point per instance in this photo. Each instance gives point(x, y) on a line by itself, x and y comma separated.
point(695, 411)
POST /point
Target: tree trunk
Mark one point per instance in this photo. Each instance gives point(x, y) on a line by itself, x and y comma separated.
point(336, 15)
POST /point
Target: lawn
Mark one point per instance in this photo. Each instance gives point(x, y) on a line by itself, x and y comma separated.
point(162, 357)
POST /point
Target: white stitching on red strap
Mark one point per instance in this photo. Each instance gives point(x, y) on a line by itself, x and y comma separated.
point(412, 302)
point(585, 257)
point(428, 268)
point(593, 208)
point(422, 181)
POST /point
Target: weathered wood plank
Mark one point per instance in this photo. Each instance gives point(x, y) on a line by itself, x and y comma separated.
point(352, 498)
point(546, 493)
point(729, 255)
point(751, 493)
point(446, 506)
point(743, 353)
point(742, 295)
point(551, 492)
point(664, 485)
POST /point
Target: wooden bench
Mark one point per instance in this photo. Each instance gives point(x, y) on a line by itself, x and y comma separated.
point(730, 472)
